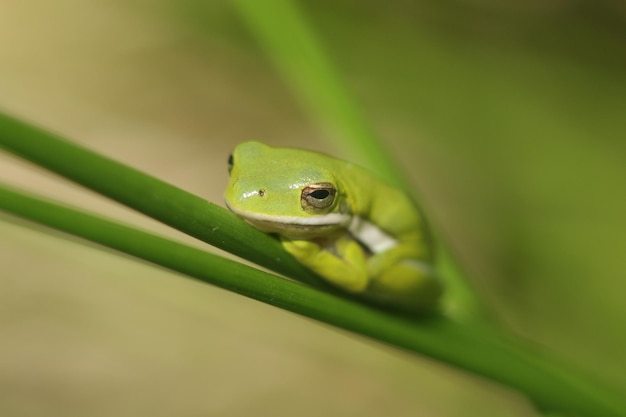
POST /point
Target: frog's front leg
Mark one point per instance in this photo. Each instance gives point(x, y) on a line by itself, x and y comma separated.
point(345, 266)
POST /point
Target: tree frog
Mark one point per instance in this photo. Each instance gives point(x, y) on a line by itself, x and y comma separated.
point(354, 230)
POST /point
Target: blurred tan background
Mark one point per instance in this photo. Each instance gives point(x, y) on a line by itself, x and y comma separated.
point(509, 120)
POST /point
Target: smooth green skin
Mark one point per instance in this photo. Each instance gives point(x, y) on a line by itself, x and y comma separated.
point(266, 188)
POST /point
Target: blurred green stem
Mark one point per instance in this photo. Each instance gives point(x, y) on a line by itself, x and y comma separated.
point(283, 31)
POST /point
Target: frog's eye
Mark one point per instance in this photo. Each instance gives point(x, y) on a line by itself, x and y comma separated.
point(318, 196)
point(231, 162)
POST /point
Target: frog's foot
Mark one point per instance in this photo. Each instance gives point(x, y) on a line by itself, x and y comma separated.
point(344, 267)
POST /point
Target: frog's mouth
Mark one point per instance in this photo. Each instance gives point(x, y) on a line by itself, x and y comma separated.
point(295, 226)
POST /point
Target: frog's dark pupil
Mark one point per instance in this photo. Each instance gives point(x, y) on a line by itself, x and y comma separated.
point(320, 194)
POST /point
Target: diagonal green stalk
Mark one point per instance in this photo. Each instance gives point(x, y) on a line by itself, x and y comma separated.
point(283, 31)
point(148, 195)
point(466, 345)
point(176, 256)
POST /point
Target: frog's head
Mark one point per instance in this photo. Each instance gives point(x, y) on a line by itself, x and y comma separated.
point(286, 191)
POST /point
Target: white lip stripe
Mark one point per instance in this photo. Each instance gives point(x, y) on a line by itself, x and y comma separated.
point(329, 219)
point(367, 233)
point(371, 236)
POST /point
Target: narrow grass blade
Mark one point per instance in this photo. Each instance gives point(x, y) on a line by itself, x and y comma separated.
point(151, 196)
point(472, 348)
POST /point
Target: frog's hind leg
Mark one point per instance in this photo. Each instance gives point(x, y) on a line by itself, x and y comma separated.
point(409, 283)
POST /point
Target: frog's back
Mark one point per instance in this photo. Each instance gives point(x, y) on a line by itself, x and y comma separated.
point(389, 208)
